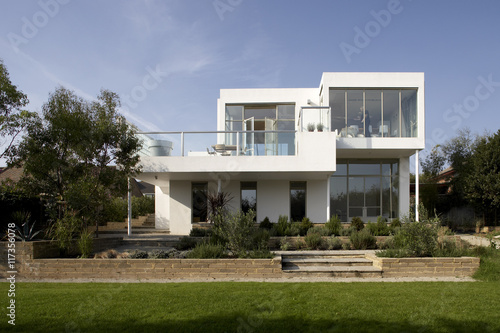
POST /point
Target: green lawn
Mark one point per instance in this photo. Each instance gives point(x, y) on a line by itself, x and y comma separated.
point(256, 307)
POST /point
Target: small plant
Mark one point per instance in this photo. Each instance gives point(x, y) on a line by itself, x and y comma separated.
point(313, 241)
point(322, 231)
point(334, 243)
point(362, 240)
point(24, 233)
point(283, 226)
point(305, 225)
point(418, 238)
point(86, 243)
point(346, 246)
point(294, 229)
point(357, 223)
point(186, 243)
point(138, 254)
point(266, 224)
point(386, 244)
point(347, 232)
point(205, 250)
point(320, 127)
point(158, 254)
point(378, 229)
point(284, 244)
point(310, 127)
point(260, 239)
point(200, 232)
point(334, 226)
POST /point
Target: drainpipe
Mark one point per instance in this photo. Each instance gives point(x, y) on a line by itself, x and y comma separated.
point(129, 202)
point(417, 185)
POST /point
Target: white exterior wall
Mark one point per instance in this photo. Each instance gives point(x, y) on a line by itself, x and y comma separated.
point(162, 207)
point(404, 186)
point(180, 207)
point(273, 199)
point(316, 200)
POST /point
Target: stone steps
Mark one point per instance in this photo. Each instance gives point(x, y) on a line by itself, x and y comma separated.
point(341, 264)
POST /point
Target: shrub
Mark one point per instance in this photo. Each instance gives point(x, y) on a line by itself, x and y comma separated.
point(334, 243)
point(256, 254)
point(284, 244)
point(378, 229)
point(347, 232)
point(294, 229)
point(236, 228)
point(334, 226)
point(418, 238)
point(86, 243)
point(260, 239)
point(205, 250)
point(266, 224)
point(305, 225)
point(386, 244)
point(64, 230)
point(158, 254)
point(185, 243)
point(200, 232)
point(322, 231)
point(137, 254)
point(357, 223)
point(142, 206)
point(450, 248)
point(313, 241)
point(392, 253)
point(346, 246)
point(115, 210)
point(282, 226)
point(362, 240)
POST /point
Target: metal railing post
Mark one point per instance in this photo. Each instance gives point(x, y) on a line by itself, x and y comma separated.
point(182, 143)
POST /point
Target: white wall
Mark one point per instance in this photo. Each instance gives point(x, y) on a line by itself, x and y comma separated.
point(162, 207)
point(180, 207)
point(273, 199)
point(316, 201)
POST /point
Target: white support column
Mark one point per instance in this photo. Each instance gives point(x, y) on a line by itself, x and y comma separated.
point(129, 202)
point(417, 185)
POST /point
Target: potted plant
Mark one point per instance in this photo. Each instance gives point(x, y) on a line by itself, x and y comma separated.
point(320, 127)
point(310, 127)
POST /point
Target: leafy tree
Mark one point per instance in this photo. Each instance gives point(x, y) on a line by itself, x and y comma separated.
point(482, 184)
point(434, 163)
point(78, 153)
point(13, 119)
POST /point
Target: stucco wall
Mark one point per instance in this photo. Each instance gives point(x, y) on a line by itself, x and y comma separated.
point(316, 201)
point(180, 207)
point(273, 199)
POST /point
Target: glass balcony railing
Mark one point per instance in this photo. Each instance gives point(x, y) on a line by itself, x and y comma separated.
point(218, 143)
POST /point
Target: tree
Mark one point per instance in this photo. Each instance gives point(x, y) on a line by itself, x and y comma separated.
point(482, 184)
point(434, 163)
point(13, 119)
point(78, 154)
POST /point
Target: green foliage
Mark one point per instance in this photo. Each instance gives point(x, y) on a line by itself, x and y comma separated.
point(64, 230)
point(362, 240)
point(489, 269)
point(285, 244)
point(311, 127)
point(24, 233)
point(158, 254)
point(347, 231)
point(217, 203)
point(395, 223)
point(357, 223)
point(142, 206)
point(200, 232)
point(236, 229)
point(205, 250)
point(257, 254)
point(186, 243)
point(85, 243)
point(115, 210)
point(450, 248)
point(138, 254)
point(322, 231)
point(334, 225)
point(305, 225)
point(294, 229)
point(333, 243)
point(283, 226)
point(378, 229)
point(313, 241)
point(260, 239)
point(266, 224)
point(419, 239)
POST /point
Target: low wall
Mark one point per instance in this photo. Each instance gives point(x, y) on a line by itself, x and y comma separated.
point(426, 267)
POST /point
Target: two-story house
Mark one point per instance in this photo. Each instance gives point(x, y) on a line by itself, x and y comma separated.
point(342, 148)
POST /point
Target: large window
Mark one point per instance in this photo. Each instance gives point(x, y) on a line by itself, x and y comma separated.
point(297, 201)
point(365, 189)
point(248, 196)
point(374, 112)
point(199, 202)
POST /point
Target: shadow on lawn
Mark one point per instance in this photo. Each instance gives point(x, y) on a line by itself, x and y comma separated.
point(245, 323)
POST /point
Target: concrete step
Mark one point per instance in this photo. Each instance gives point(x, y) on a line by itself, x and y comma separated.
point(147, 243)
point(341, 271)
point(325, 262)
point(136, 230)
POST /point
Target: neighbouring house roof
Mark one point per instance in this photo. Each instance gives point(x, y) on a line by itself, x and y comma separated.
point(14, 174)
point(146, 188)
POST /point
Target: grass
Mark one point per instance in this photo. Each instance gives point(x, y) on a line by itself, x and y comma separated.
point(256, 307)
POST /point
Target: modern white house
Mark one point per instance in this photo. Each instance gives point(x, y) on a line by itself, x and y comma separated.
point(342, 148)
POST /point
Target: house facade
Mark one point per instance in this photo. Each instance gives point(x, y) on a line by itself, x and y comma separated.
point(342, 148)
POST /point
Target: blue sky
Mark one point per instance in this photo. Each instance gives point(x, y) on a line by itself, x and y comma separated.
point(168, 59)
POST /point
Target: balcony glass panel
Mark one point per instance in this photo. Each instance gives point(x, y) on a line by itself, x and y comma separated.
point(234, 112)
point(373, 112)
point(354, 113)
point(409, 113)
point(338, 109)
point(391, 113)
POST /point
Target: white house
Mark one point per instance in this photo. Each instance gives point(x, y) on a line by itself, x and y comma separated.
point(342, 148)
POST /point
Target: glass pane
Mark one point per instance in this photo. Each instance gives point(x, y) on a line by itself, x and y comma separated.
point(372, 191)
point(338, 197)
point(373, 112)
point(409, 113)
point(286, 125)
point(354, 112)
point(234, 112)
point(395, 197)
point(391, 113)
point(248, 196)
point(286, 144)
point(233, 125)
point(364, 169)
point(199, 204)
point(286, 112)
point(355, 212)
point(356, 192)
point(341, 169)
point(297, 200)
point(337, 105)
point(373, 212)
point(260, 112)
point(386, 197)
